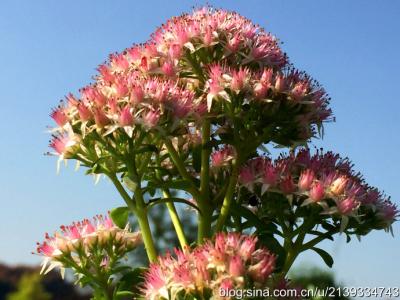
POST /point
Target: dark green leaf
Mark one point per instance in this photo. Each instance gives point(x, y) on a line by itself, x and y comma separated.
point(120, 216)
point(124, 295)
point(146, 148)
point(241, 211)
point(176, 184)
point(157, 201)
point(196, 154)
point(325, 256)
point(131, 282)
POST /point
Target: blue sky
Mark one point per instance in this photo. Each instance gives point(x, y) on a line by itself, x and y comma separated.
point(49, 48)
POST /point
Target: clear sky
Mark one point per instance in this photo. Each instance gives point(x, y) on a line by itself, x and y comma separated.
point(48, 48)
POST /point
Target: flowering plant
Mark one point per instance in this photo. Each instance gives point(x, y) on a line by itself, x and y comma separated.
point(187, 118)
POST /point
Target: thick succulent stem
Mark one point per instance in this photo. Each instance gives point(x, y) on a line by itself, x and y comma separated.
point(204, 228)
point(226, 205)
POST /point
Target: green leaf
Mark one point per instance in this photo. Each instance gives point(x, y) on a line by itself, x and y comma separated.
point(196, 154)
point(123, 294)
point(183, 185)
point(325, 256)
point(146, 148)
point(120, 216)
point(273, 244)
point(241, 211)
point(130, 282)
point(157, 201)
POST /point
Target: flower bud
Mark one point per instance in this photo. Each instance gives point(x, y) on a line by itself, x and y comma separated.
point(270, 175)
point(280, 84)
point(126, 118)
point(306, 179)
point(236, 267)
point(84, 112)
point(347, 206)
point(100, 118)
point(338, 186)
point(287, 186)
point(137, 95)
point(59, 116)
point(317, 192)
point(246, 176)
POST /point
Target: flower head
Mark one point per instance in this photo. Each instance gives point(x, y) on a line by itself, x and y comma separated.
point(85, 239)
point(232, 260)
point(323, 179)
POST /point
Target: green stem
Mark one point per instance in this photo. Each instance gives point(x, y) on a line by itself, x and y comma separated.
point(143, 221)
point(204, 219)
point(319, 239)
point(294, 249)
point(226, 205)
point(141, 212)
point(176, 221)
point(205, 161)
point(128, 200)
point(194, 191)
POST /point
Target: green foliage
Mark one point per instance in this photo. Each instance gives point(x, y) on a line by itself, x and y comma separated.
point(29, 288)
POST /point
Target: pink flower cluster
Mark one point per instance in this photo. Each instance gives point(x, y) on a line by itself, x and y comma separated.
point(222, 157)
point(82, 239)
point(272, 87)
point(165, 80)
point(232, 261)
point(322, 178)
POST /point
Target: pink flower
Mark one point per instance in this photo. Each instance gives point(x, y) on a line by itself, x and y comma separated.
point(266, 76)
point(222, 157)
point(72, 101)
point(59, 116)
point(100, 118)
point(236, 267)
point(306, 179)
point(388, 211)
point(287, 185)
point(372, 197)
point(63, 145)
point(119, 61)
point(208, 37)
point(264, 266)
point(83, 239)
point(270, 175)
point(136, 95)
point(125, 117)
point(84, 112)
point(150, 119)
point(175, 51)
point(168, 69)
point(260, 90)
point(247, 247)
point(246, 176)
point(234, 43)
point(280, 84)
point(338, 185)
point(92, 94)
point(347, 206)
point(214, 264)
point(113, 105)
point(106, 73)
point(300, 90)
point(121, 87)
point(317, 191)
point(238, 79)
